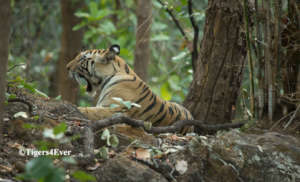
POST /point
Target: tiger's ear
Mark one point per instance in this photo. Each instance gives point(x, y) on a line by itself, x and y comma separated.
point(115, 48)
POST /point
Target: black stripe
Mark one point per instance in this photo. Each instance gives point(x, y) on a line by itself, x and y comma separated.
point(106, 81)
point(126, 69)
point(144, 89)
point(142, 98)
point(161, 109)
point(149, 117)
point(171, 110)
point(157, 122)
point(186, 114)
point(139, 85)
point(178, 116)
point(151, 96)
point(119, 81)
point(114, 68)
point(104, 97)
point(118, 63)
point(175, 108)
point(149, 107)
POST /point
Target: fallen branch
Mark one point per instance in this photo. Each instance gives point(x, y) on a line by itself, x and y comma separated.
point(176, 127)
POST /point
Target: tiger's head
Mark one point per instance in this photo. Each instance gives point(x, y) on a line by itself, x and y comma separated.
point(91, 67)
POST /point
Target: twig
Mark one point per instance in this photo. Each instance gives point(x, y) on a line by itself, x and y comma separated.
point(196, 33)
point(176, 127)
point(175, 20)
point(292, 118)
point(277, 122)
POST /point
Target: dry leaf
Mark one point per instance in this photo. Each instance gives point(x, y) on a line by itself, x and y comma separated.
point(142, 154)
point(181, 166)
point(93, 168)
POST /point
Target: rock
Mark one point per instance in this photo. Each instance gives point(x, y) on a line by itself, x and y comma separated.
point(236, 156)
point(122, 169)
point(231, 156)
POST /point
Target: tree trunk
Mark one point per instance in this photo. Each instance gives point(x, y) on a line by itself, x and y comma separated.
point(142, 49)
point(218, 70)
point(71, 43)
point(4, 41)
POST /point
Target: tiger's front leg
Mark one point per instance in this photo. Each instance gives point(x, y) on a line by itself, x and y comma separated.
point(98, 113)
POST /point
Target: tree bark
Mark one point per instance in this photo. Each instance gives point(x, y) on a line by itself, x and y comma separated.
point(5, 13)
point(142, 52)
point(218, 70)
point(71, 43)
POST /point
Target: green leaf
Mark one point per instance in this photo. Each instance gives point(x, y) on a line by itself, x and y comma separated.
point(61, 128)
point(83, 176)
point(41, 93)
point(42, 169)
point(127, 104)
point(112, 106)
point(160, 37)
point(93, 8)
point(107, 27)
point(29, 126)
point(58, 97)
point(12, 96)
point(101, 14)
point(181, 55)
point(103, 152)
point(114, 140)
point(82, 14)
point(164, 91)
point(49, 133)
point(105, 134)
point(174, 82)
point(79, 26)
point(69, 160)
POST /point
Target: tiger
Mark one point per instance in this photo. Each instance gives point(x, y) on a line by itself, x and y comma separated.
point(105, 73)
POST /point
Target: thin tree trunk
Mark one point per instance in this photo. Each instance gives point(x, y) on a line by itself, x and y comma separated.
point(71, 43)
point(250, 62)
point(258, 34)
point(117, 7)
point(5, 12)
point(218, 73)
point(268, 61)
point(142, 53)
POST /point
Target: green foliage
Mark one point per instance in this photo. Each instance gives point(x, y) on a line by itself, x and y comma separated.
point(42, 169)
point(83, 176)
point(127, 104)
point(111, 140)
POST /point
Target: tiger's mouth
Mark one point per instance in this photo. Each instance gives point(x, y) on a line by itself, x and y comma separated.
point(82, 80)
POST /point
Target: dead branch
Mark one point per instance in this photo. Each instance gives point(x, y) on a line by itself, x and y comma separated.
point(176, 127)
point(170, 12)
point(196, 33)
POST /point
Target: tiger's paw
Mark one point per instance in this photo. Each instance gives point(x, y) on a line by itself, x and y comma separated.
point(83, 110)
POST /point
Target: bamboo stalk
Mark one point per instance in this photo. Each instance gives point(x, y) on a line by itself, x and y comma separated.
point(268, 60)
point(250, 62)
point(258, 35)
